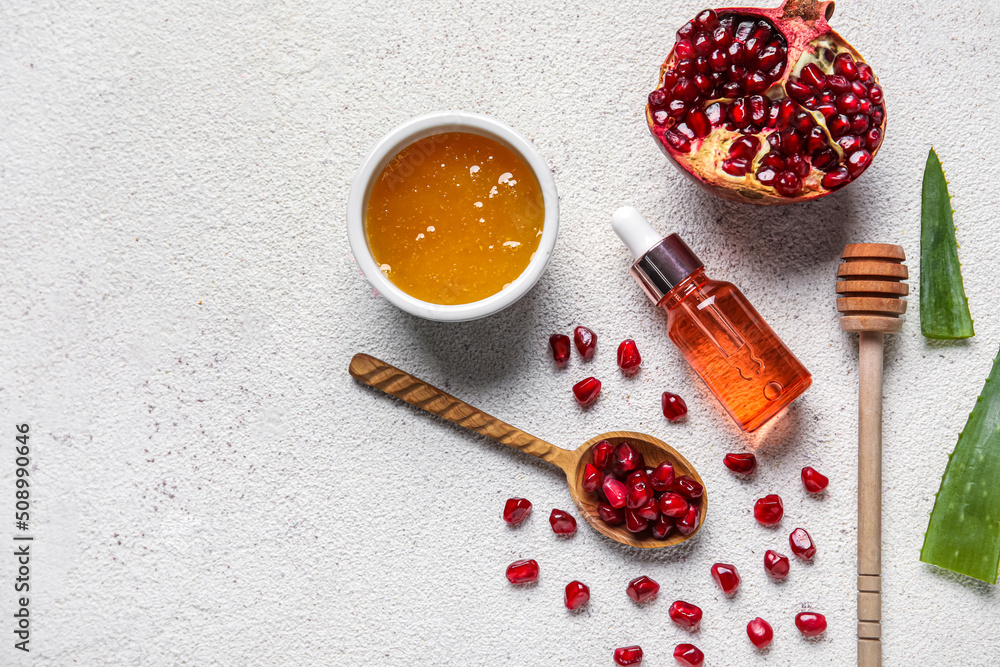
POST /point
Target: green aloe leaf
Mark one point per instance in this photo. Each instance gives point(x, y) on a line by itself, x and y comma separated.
point(964, 531)
point(944, 308)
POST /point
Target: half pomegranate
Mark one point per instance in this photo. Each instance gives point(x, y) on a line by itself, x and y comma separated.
point(767, 106)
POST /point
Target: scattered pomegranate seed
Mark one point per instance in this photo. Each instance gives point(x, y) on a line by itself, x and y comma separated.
point(615, 492)
point(688, 523)
point(613, 516)
point(674, 407)
point(776, 565)
point(516, 510)
point(562, 523)
point(689, 655)
point(802, 544)
point(662, 527)
point(744, 464)
point(628, 356)
point(673, 505)
point(602, 454)
point(635, 522)
point(628, 655)
point(639, 490)
point(760, 633)
point(577, 595)
point(810, 624)
point(592, 478)
point(586, 390)
point(768, 510)
point(650, 511)
point(685, 614)
point(522, 572)
point(813, 480)
point(687, 487)
point(642, 589)
point(560, 348)
point(586, 342)
point(625, 460)
point(727, 577)
point(662, 477)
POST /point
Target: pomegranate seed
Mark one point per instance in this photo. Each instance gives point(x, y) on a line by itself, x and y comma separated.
point(673, 406)
point(685, 614)
point(562, 522)
point(727, 577)
point(628, 356)
point(844, 65)
point(703, 43)
point(686, 31)
point(759, 106)
point(602, 454)
point(859, 89)
point(813, 480)
point(824, 159)
point(760, 633)
point(839, 125)
point(810, 624)
point(657, 99)
point(628, 655)
point(732, 90)
point(699, 122)
point(744, 147)
point(723, 36)
point(706, 86)
point(838, 84)
point(688, 655)
point(642, 589)
point(639, 490)
point(875, 94)
point(684, 49)
point(577, 595)
point(522, 572)
point(768, 510)
point(662, 527)
point(776, 565)
point(813, 76)
point(827, 109)
point(802, 544)
point(678, 141)
point(766, 175)
point(773, 160)
point(849, 143)
point(714, 113)
point(736, 166)
point(613, 516)
point(651, 510)
point(848, 103)
point(741, 463)
point(707, 20)
point(770, 56)
point(586, 341)
point(798, 164)
point(676, 108)
point(688, 523)
point(865, 73)
point(516, 510)
point(857, 162)
point(586, 390)
point(836, 178)
point(673, 505)
point(788, 183)
point(797, 90)
point(635, 522)
point(615, 492)
point(560, 348)
point(592, 478)
point(662, 477)
point(660, 117)
point(687, 487)
point(625, 460)
point(757, 83)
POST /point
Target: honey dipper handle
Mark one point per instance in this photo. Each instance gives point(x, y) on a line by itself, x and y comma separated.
point(376, 373)
point(870, 500)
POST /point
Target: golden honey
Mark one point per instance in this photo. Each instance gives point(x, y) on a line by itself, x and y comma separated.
point(454, 218)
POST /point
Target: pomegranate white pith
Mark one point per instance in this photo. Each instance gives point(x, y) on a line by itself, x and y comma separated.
point(767, 106)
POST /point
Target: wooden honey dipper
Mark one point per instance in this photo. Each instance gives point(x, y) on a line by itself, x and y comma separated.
point(871, 290)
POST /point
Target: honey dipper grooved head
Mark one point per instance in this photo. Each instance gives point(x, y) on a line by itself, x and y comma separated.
point(870, 287)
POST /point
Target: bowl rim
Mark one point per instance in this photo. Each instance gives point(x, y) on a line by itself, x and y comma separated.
point(419, 128)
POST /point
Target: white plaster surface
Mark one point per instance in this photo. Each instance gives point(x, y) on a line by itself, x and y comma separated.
point(179, 307)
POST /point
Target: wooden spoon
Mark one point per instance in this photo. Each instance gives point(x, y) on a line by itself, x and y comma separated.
point(391, 380)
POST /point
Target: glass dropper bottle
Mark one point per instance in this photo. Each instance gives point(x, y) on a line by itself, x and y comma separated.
point(720, 334)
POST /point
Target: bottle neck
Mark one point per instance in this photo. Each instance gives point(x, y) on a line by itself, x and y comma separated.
point(683, 289)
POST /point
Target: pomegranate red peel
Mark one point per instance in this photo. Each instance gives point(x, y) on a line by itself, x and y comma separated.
point(726, 92)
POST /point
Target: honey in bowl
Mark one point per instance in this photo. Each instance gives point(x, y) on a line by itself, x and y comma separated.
point(454, 218)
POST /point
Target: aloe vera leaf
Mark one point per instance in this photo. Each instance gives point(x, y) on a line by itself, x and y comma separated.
point(944, 308)
point(964, 531)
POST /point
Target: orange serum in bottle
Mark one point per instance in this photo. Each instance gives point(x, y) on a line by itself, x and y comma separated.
point(720, 334)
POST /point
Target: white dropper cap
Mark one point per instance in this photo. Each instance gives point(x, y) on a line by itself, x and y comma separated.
point(634, 230)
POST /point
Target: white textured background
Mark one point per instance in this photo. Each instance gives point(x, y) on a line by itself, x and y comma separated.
point(180, 305)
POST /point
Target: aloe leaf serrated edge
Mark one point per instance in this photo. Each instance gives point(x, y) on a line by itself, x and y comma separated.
point(963, 534)
point(944, 308)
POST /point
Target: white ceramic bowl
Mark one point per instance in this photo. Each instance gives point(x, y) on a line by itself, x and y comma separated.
point(419, 128)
